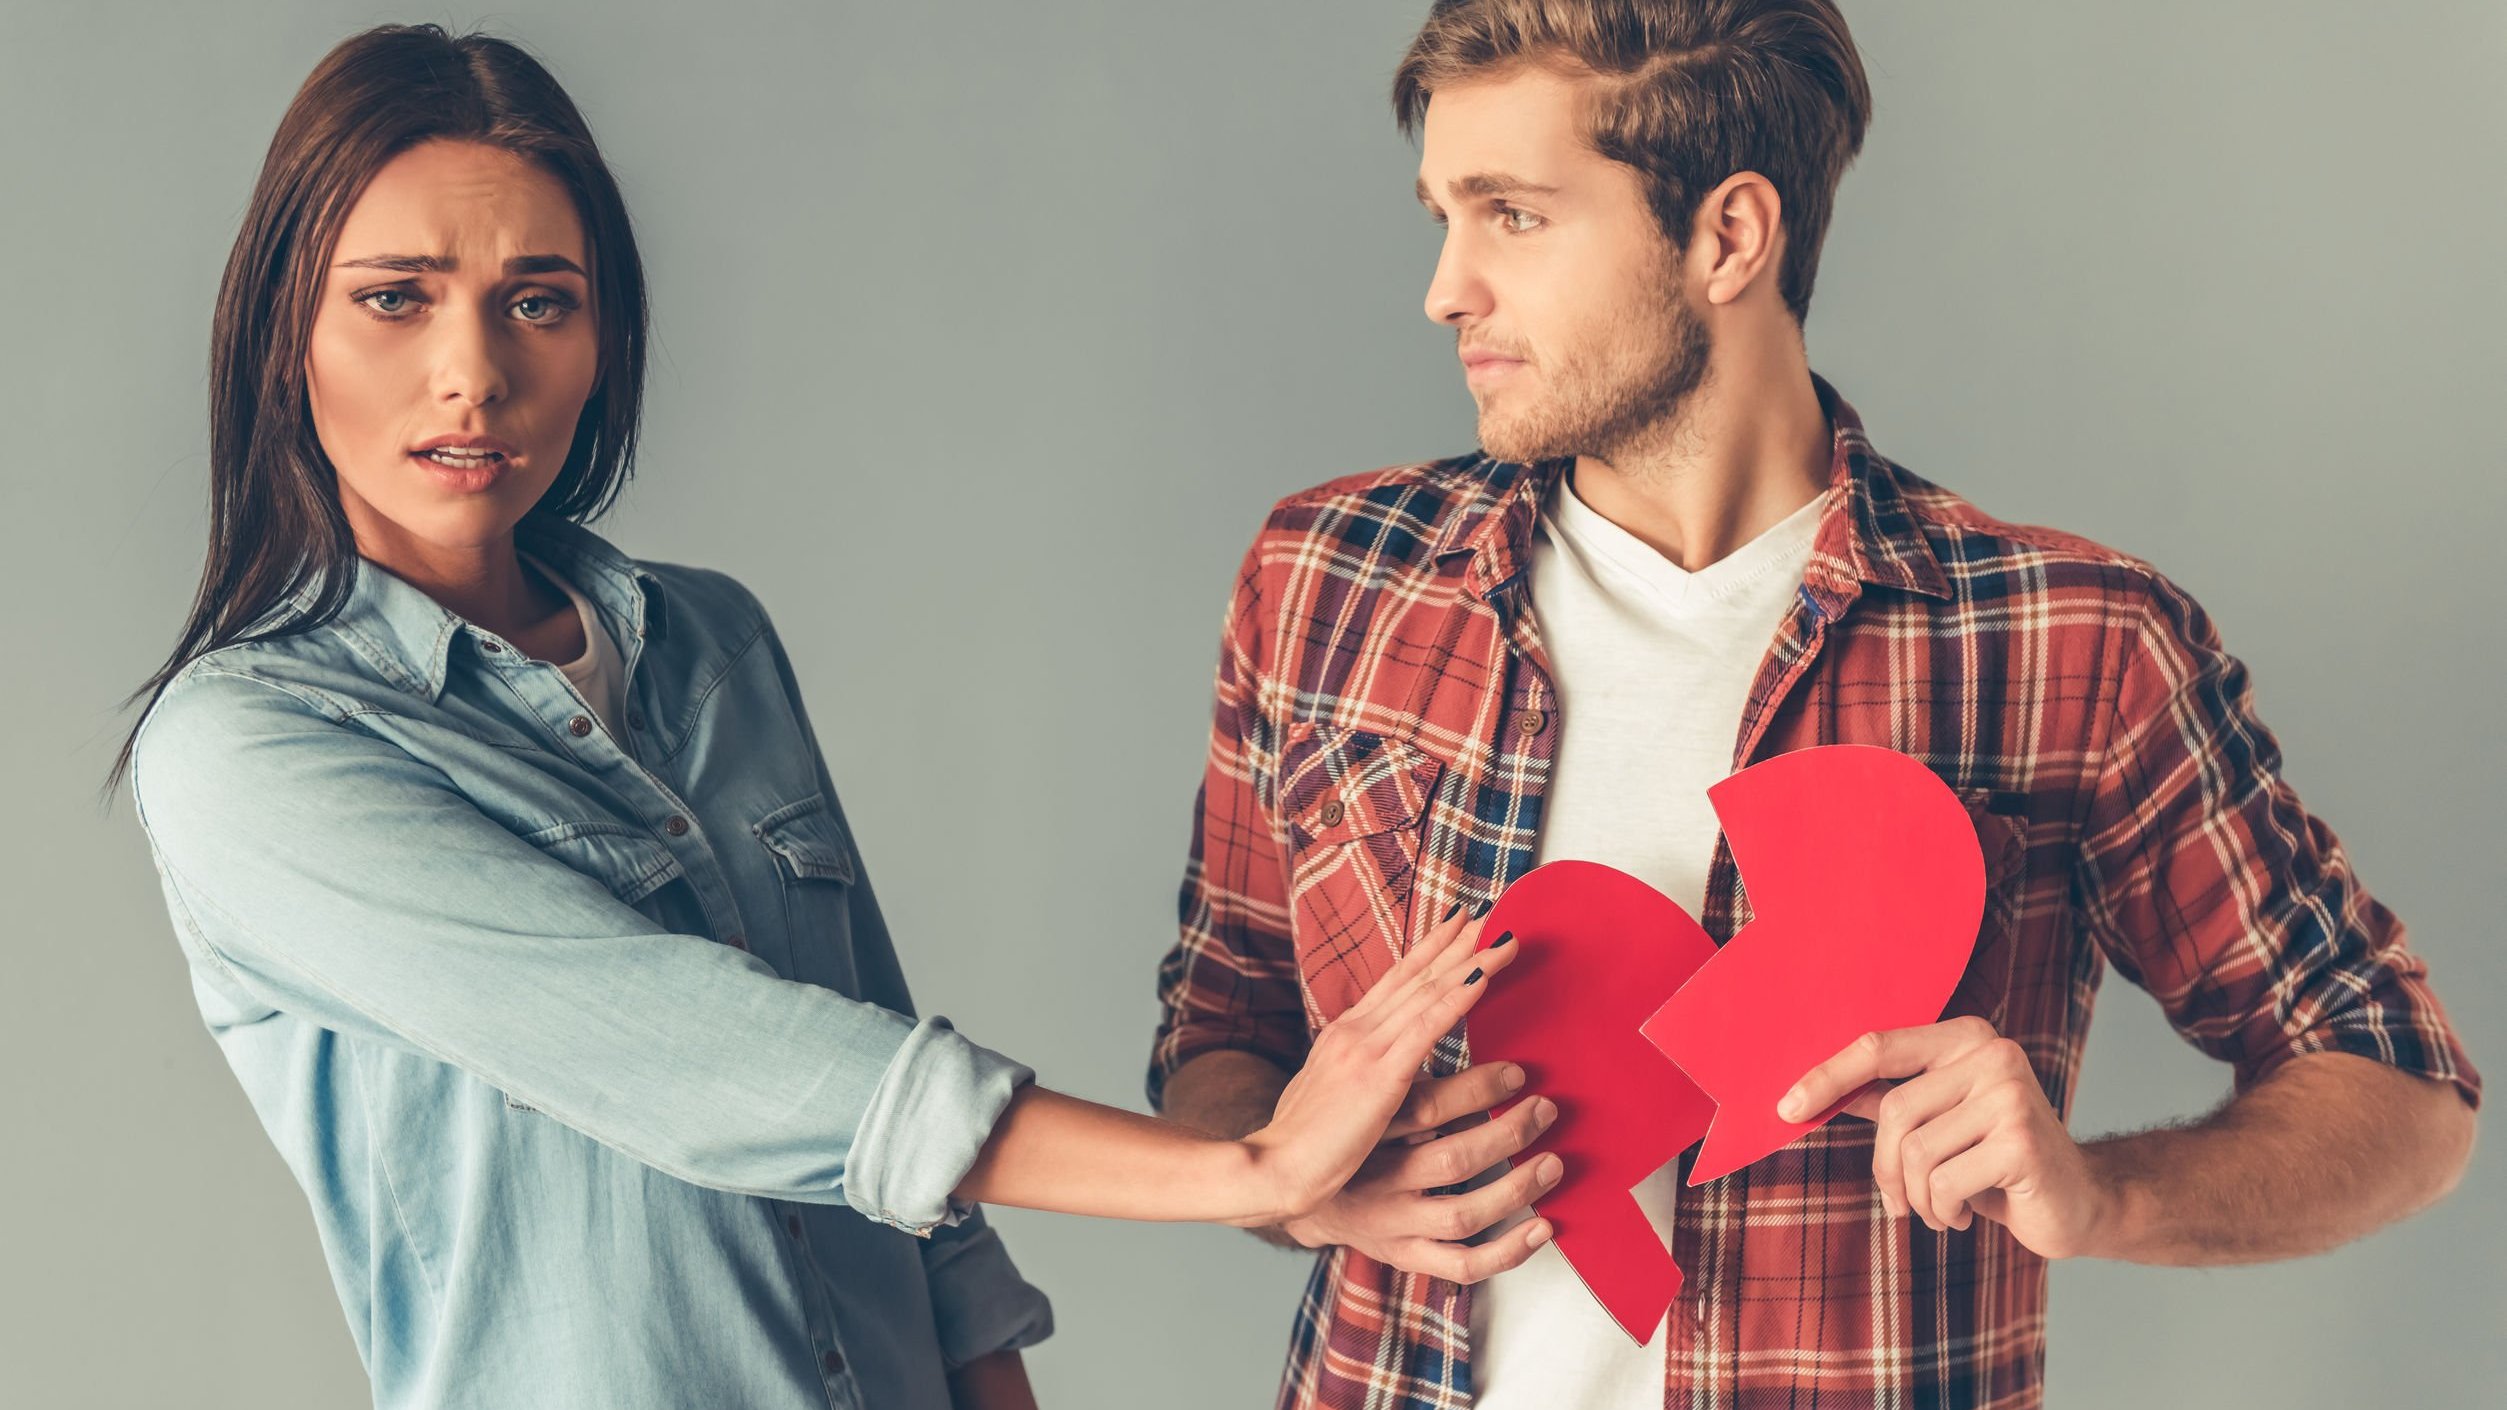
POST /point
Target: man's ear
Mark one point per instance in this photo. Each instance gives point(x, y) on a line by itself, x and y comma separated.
point(1739, 234)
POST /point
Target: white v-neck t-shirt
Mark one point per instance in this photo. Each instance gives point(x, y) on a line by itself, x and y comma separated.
point(1652, 665)
point(600, 672)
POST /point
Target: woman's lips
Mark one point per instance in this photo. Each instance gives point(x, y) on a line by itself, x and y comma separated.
point(471, 478)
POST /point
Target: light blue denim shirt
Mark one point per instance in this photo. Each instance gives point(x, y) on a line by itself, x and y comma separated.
point(591, 1053)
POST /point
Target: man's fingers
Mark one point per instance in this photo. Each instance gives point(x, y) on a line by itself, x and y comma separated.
point(1435, 1101)
point(1463, 1263)
point(1456, 1217)
point(1958, 1181)
point(1929, 1144)
point(1894, 1052)
point(1450, 1160)
point(1899, 1111)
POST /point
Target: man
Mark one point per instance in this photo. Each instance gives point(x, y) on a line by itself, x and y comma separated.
point(1678, 554)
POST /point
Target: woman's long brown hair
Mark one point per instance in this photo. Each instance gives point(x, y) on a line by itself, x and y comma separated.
point(275, 523)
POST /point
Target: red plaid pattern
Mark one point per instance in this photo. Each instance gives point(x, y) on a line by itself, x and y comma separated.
point(1384, 729)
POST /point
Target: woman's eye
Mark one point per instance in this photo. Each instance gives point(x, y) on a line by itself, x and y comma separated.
point(373, 301)
point(548, 309)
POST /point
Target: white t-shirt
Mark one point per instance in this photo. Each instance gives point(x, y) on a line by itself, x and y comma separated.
point(1652, 665)
point(600, 674)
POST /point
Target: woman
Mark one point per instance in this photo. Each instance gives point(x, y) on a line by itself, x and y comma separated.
point(512, 882)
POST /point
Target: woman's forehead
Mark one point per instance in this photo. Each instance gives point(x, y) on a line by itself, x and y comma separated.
point(466, 201)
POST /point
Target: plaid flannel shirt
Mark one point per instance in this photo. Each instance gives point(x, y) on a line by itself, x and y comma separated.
point(1385, 726)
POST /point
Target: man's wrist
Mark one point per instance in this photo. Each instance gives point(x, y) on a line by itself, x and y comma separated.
point(2122, 1201)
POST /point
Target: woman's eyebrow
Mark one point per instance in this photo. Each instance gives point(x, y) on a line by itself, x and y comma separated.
point(446, 264)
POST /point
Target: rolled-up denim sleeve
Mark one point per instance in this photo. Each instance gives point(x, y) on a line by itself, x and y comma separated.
point(980, 1303)
point(330, 874)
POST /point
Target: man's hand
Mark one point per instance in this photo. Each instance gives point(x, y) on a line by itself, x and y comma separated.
point(1964, 1129)
point(1385, 1211)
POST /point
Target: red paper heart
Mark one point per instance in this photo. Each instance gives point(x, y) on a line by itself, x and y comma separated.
point(1866, 888)
point(1601, 950)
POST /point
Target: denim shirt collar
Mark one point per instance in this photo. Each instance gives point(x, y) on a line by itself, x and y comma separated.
point(408, 635)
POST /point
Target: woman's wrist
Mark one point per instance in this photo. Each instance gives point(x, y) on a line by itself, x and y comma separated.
point(1252, 1170)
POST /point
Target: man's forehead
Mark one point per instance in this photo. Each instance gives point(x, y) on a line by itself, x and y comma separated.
point(1485, 185)
point(1516, 133)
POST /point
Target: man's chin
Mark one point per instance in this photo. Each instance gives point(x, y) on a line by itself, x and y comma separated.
point(1516, 443)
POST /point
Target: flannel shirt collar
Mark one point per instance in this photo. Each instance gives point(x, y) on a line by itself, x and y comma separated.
point(1867, 535)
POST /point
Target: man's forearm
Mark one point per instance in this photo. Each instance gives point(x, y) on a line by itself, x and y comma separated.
point(997, 1381)
point(2330, 1147)
point(1231, 1094)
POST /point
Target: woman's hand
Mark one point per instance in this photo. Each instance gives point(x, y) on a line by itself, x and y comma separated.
point(1359, 1069)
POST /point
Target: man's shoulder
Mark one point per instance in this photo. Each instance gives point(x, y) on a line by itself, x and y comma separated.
point(1392, 518)
point(1983, 555)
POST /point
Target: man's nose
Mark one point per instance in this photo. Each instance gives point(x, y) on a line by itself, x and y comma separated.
point(1456, 293)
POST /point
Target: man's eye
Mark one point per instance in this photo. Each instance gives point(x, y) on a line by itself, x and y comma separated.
point(1520, 222)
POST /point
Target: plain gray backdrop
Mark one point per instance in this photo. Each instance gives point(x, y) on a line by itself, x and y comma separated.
point(984, 335)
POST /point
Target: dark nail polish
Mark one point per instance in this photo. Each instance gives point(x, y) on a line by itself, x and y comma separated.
point(1479, 910)
point(1506, 939)
point(1449, 915)
point(1470, 979)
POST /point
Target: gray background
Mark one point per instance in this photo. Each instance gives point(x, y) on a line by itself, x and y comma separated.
point(985, 335)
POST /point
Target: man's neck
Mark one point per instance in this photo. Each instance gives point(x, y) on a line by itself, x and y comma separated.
point(1739, 455)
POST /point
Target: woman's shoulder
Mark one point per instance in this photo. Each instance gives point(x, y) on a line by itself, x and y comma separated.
point(709, 595)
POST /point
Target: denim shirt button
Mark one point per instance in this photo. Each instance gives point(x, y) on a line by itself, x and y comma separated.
point(491, 648)
point(736, 941)
point(833, 1361)
point(675, 825)
point(792, 1225)
point(635, 719)
point(579, 726)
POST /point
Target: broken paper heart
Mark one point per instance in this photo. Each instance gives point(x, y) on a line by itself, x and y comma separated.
point(1601, 951)
point(1866, 887)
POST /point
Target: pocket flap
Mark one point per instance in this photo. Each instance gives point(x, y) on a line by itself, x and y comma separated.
point(632, 865)
point(1357, 784)
point(805, 835)
point(2001, 823)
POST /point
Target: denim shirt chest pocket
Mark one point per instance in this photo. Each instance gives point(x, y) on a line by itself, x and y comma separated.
point(813, 860)
point(632, 865)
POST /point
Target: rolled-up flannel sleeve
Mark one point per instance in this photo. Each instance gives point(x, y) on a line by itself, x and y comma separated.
point(330, 874)
point(1231, 982)
point(2206, 882)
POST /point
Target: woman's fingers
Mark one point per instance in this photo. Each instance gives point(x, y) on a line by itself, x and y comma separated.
point(1411, 1030)
point(1412, 968)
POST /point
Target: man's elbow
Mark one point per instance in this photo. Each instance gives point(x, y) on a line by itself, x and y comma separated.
point(2453, 1129)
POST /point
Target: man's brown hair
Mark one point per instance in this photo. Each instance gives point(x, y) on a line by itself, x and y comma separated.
point(1688, 92)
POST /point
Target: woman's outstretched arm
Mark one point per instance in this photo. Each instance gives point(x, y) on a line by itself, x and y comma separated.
point(1051, 1151)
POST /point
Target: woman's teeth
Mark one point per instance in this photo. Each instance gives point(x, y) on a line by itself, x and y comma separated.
point(462, 460)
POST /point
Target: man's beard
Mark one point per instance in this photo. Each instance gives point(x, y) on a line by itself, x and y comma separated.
point(1620, 389)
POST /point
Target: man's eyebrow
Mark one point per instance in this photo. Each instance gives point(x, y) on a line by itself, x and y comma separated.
point(1488, 185)
point(446, 264)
